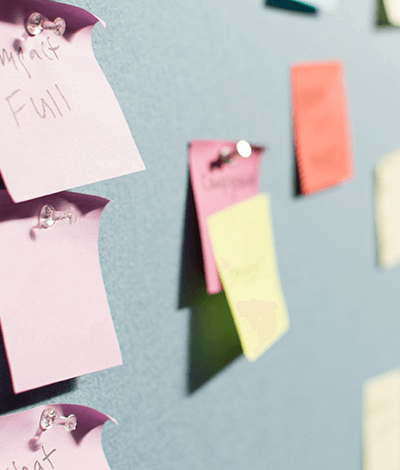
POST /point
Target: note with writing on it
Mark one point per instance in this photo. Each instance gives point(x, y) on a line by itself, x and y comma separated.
point(381, 417)
point(54, 314)
point(321, 127)
point(56, 449)
point(392, 10)
point(216, 188)
point(387, 209)
point(61, 125)
point(243, 242)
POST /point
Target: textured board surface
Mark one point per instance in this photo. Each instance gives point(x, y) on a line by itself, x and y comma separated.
point(185, 396)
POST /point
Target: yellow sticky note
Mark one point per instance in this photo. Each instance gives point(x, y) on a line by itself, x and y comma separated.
point(381, 416)
point(243, 243)
point(387, 206)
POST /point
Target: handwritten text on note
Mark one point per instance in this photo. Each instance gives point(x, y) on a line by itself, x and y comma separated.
point(56, 449)
point(41, 463)
point(52, 101)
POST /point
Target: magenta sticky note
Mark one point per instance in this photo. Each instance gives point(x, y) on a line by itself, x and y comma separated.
point(61, 125)
point(23, 445)
point(54, 313)
point(217, 186)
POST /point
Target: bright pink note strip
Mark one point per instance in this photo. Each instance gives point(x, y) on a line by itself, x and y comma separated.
point(54, 313)
point(216, 189)
point(56, 449)
point(61, 125)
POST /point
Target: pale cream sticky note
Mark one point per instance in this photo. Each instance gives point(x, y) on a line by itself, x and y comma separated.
point(381, 416)
point(243, 243)
point(387, 207)
point(392, 8)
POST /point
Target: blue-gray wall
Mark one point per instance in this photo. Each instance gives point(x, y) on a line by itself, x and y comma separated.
point(185, 397)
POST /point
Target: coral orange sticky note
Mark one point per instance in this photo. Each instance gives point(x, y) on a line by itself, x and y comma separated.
point(321, 127)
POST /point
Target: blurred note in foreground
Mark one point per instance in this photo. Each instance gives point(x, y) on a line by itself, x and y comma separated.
point(25, 446)
point(321, 127)
point(243, 242)
point(387, 206)
point(381, 416)
point(390, 12)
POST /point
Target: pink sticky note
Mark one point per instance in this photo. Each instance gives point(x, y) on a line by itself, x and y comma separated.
point(54, 313)
point(54, 449)
point(215, 187)
point(61, 125)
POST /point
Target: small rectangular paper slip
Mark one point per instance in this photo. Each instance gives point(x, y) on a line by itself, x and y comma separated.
point(243, 242)
point(381, 416)
point(387, 208)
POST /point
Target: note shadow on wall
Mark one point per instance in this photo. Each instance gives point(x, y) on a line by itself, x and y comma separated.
point(381, 18)
point(213, 339)
point(296, 177)
point(292, 6)
point(11, 402)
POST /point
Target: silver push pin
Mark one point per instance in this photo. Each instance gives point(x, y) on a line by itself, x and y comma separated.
point(227, 154)
point(48, 419)
point(48, 216)
point(242, 149)
point(37, 23)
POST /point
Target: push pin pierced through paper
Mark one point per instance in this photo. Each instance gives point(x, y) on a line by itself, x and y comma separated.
point(48, 419)
point(227, 154)
point(48, 216)
point(37, 23)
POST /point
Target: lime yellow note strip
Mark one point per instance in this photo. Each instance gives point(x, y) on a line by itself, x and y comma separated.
point(243, 244)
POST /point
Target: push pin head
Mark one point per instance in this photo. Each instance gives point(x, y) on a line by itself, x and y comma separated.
point(34, 25)
point(227, 154)
point(48, 418)
point(48, 216)
point(37, 23)
point(70, 423)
